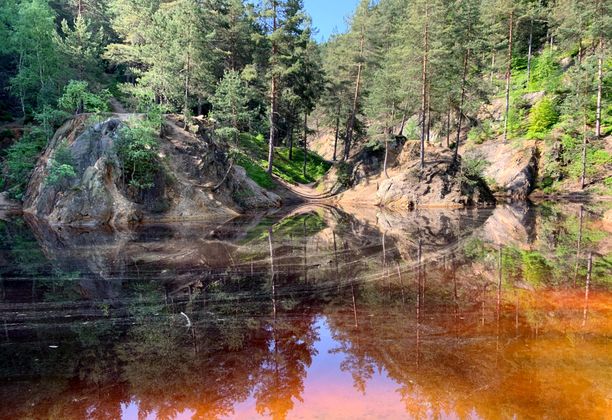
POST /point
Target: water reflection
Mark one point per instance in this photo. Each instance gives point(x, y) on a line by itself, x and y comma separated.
point(477, 313)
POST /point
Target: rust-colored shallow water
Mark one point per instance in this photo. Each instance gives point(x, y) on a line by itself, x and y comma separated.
point(317, 314)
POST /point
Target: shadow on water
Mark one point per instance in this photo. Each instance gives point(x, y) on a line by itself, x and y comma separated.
point(466, 313)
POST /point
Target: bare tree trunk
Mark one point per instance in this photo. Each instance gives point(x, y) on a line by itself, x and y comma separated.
point(351, 122)
point(290, 134)
point(579, 247)
point(428, 116)
point(448, 115)
point(461, 103)
point(273, 94)
point(529, 51)
point(336, 136)
point(305, 142)
point(187, 82)
point(424, 89)
point(499, 282)
point(508, 75)
point(584, 151)
point(401, 130)
point(599, 88)
point(272, 272)
point(390, 130)
point(586, 288)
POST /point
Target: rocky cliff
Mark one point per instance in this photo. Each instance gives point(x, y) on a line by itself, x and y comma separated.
point(404, 186)
point(197, 180)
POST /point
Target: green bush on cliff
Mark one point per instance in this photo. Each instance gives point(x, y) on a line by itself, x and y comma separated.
point(138, 152)
point(542, 117)
point(62, 165)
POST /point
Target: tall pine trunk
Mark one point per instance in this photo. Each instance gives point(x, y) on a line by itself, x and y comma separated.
point(273, 93)
point(403, 125)
point(508, 74)
point(599, 88)
point(584, 151)
point(305, 142)
point(187, 82)
point(290, 134)
point(424, 89)
point(351, 122)
point(448, 118)
point(388, 135)
point(461, 103)
point(529, 51)
point(337, 133)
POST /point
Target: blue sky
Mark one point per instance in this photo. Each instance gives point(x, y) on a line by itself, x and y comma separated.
point(329, 15)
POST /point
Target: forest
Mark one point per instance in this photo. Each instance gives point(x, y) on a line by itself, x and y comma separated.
point(454, 73)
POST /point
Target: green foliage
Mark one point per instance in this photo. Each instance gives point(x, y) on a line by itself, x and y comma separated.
point(138, 152)
point(345, 174)
point(230, 105)
point(81, 46)
point(20, 160)
point(373, 146)
point(472, 169)
point(77, 97)
point(597, 158)
point(291, 170)
point(475, 249)
point(254, 170)
point(480, 133)
point(61, 166)
point(535, 268)
point(545, 73)
point(33, 40)
point(542, 117)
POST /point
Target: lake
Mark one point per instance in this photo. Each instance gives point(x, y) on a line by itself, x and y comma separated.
point(312, 312)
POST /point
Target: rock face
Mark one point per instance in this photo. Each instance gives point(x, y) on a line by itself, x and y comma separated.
point(438, 185)
point(97, 195)
point(513, 170)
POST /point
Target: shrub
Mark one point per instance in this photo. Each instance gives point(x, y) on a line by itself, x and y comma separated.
point(472, 169)
point(137, 149)
point(542, 117)
point(345, 174)
point(62, 167)
point(77, 97)
point(20, 160)
point(479, 134)
point(545, 74)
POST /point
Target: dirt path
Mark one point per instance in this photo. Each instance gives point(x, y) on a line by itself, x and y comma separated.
point(301, 193)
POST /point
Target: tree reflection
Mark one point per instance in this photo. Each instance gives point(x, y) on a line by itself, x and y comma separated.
point(411, 304)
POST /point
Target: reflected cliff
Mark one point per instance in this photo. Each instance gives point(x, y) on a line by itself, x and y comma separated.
point(471, 313)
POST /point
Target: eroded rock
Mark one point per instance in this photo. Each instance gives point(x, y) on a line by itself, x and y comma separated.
point(439, 184)
point(197, 180)
point(511, 171)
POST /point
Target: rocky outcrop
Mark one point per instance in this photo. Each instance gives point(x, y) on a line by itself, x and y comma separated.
point(510, 171)
point(439, 184)
point(197, 180)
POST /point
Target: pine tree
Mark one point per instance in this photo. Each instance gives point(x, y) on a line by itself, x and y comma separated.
point(230, 105)
point(81, 47)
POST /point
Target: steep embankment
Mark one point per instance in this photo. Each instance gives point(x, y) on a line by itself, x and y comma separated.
point(404, 185)
point(195, 179)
